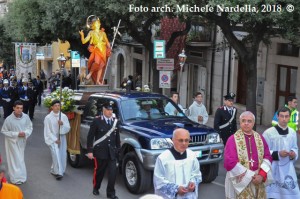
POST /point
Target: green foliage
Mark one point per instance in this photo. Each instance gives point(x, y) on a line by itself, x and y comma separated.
point(44, 21)
point(6, 47)
point(67, 101)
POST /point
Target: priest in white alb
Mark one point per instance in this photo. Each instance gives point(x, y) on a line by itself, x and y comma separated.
point(177, 170)
point(282, 141)
point(55, 130)
point(247, 160)
point(17, 127)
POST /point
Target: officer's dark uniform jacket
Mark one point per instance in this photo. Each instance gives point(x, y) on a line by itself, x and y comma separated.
point(109, 147)
point(23, 93)
point(32, 95)
point(15, 94)
point(6, 94)
point(222, 117)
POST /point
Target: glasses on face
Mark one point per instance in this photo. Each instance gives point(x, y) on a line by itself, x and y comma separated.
point(247, 121)
point(183, 140)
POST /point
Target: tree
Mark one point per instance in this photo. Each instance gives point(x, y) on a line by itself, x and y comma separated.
point(44, 21)
point(272, 19)
point(6, 48)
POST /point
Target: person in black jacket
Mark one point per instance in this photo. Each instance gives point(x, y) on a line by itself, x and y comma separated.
point(14, 94)
point(40, 89)
point(6, 97)
point(32, 96)
point(225, 118)
point(104, 150)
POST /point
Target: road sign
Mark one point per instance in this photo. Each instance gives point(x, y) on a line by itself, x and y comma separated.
point(165, 79)
point(165, 64)
point(159, 49)
point(75, 59)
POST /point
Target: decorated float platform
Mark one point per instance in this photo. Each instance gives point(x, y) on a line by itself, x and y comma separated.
point(93, 88)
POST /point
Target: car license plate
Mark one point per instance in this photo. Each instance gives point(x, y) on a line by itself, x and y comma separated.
point(198, 154)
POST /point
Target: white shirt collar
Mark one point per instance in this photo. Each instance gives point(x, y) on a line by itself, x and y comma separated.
point(106, 119)
point(229, 108)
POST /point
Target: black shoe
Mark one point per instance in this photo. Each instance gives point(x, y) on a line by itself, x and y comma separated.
point(113, 197)
point(96, 192)
point(18, 183)
point(58, 177)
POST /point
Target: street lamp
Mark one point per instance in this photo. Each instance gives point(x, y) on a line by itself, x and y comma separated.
point(61, 63)
point(182, 59)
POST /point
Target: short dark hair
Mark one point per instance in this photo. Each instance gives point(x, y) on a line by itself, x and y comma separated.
point(197, 93)
point(283, 109)
point(174, 93)
point(55, 102)
point(291, 98)
point(18, 102)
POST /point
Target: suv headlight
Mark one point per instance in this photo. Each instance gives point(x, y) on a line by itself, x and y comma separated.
point(161, 143)
point(213, 138)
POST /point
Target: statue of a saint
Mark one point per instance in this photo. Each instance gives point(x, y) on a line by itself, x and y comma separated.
point(99, 48)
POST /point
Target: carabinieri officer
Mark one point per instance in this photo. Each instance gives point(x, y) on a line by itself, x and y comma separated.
point(225, 118)
point(104, 151)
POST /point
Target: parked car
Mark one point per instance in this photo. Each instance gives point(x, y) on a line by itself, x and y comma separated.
point(144, 137)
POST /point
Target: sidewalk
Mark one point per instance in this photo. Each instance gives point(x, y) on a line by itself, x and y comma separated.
point(260, 129)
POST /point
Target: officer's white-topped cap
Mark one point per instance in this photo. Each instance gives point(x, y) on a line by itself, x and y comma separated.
point(25, 80)
point(229, 96)
point(146, 102)
point(5, 81)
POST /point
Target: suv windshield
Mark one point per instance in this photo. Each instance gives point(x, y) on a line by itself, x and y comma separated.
point(146, 109)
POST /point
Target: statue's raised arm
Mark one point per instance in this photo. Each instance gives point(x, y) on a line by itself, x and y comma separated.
point(99, 47)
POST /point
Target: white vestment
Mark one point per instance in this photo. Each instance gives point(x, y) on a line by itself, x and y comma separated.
point(171, 110)
point(58, 152)
point(170, 173)
point(285, 184)
point(196, 110)
point(15, 145)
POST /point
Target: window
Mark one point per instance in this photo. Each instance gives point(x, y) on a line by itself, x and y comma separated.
point(148, 108)
point(287, 50)
point(138, 50)
point(94, 107)
point(196, 54)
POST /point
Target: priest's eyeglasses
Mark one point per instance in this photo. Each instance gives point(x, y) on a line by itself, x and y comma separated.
point(183, 140)
point(247, 121)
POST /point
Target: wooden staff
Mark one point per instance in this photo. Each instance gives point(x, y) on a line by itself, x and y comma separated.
point(111, 47)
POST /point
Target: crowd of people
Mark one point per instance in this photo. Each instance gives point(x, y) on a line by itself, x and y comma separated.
point(258, 165)
point(27, 89)
point(132, 82)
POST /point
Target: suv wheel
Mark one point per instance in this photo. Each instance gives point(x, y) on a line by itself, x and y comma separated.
point(136, 178)
point(209, 172)
point(77, 160)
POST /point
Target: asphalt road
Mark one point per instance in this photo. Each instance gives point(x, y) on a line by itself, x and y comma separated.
point(77, 183)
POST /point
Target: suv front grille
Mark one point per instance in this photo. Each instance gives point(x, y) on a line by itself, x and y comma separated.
point(197, 140)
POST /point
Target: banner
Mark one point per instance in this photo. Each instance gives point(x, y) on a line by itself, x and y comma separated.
point(25, 59)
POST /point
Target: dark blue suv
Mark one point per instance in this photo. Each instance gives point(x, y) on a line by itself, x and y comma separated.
point(146, 131)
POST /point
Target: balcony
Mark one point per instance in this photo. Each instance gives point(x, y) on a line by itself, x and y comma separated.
point(199, 36)
point(44, 53)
